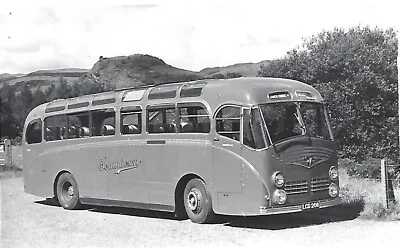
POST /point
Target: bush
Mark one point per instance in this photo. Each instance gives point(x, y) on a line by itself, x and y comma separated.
point(369, 168)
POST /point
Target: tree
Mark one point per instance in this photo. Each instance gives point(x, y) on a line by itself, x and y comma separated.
point(7, 119)
point(356, 72)
point(233, 75)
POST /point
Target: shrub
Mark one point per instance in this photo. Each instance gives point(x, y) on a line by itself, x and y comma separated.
point(369, 168)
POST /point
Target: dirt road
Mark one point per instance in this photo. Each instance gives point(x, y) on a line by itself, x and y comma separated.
point(29, 221)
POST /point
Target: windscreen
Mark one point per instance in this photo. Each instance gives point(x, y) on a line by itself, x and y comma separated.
point(289, 119)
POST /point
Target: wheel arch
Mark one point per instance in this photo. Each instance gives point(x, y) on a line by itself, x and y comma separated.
point(178, 194)
point(56, 179)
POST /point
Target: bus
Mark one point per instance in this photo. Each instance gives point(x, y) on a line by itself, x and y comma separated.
point(245, 146)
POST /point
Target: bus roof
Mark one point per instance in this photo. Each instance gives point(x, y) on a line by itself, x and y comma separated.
point(246, 91)
point(257, 90)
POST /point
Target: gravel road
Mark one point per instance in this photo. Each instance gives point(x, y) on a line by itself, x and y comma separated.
point(29, 221)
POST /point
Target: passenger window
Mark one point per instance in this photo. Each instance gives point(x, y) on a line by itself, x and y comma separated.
point(252, 129)
point(55, 127)
point(103, 122)
point(131, 122)
point(161, 120)
point(78, 126)
point(194, 119)
point(34, 132)
point(228, 122)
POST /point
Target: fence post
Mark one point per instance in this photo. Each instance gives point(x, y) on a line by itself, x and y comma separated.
point(387, 184)
point(7, 153)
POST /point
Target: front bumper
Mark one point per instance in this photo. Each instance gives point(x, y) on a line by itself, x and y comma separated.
point(297, 208)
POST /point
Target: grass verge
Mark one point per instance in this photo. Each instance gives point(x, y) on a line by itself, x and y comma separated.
point(369, 193)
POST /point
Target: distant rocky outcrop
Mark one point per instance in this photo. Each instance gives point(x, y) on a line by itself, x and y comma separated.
point(136, 70)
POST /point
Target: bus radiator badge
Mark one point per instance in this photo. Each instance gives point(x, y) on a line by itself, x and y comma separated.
point(310, 161)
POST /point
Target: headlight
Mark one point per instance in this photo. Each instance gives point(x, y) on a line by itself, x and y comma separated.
point(333, 173)
point(333, 190)
point(279, 196)
point(278, 178)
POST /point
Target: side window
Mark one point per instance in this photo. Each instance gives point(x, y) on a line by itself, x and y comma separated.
point(194, 119)
point(228, 122)
point(34, 132)
point(55, 127)
point(252, 129)
point(131, 122)
point(103, 122)
point(78, 125)
point(161, 120)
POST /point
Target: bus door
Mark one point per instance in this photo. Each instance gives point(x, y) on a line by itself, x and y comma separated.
point(160, 153)
point(127, 180)
point(227, 152)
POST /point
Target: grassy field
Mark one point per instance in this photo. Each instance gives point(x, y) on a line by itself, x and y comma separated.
point(355, 192)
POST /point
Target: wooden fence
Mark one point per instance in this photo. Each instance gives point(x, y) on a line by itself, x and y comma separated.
point(6, 153)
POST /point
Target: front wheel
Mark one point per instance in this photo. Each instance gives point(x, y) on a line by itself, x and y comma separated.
point(198, 203)
point(67, 192)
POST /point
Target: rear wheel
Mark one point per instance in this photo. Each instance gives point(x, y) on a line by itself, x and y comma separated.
point(67, 192)
point(197, 201)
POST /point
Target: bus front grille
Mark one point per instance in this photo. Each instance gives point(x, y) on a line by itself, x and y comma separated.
point(302, 186)
point(319, 184)
point(296, 187)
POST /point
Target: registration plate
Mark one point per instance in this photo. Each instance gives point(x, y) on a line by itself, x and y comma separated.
point(310, 205)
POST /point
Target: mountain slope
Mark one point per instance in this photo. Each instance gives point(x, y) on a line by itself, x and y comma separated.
point(241, 69)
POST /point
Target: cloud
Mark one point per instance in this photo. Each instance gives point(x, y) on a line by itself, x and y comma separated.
point(187, 35)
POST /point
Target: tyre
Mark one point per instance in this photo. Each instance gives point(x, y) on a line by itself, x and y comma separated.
point(197, 202)
point(180, 211)
point(67, 192)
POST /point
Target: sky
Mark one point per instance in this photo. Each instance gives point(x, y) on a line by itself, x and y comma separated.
point(191, 35)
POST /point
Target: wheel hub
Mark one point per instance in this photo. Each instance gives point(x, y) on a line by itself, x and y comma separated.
point(70, 191)
point(193, 200)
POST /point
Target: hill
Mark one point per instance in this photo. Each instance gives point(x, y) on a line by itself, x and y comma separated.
point(126, 71)
point(136, 70)
point(42, 78)
point(241, 69)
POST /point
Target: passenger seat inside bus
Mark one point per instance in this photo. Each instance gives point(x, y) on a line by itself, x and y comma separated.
point(108, 130)
point(187, 127)
point(84, 132)
point(130, 129)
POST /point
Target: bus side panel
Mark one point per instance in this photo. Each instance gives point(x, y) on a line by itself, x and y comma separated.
point(37, 180)
point(127, 181)
point(256, 185)
point(254, 191)
point(88, 162)
point(195, 157)
point(80, 159)
point(166, 163)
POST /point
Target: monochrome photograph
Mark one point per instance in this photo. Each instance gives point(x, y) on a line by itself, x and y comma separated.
point(199, 123)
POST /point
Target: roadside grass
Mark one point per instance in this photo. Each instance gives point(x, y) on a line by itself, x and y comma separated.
point(369, 193)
